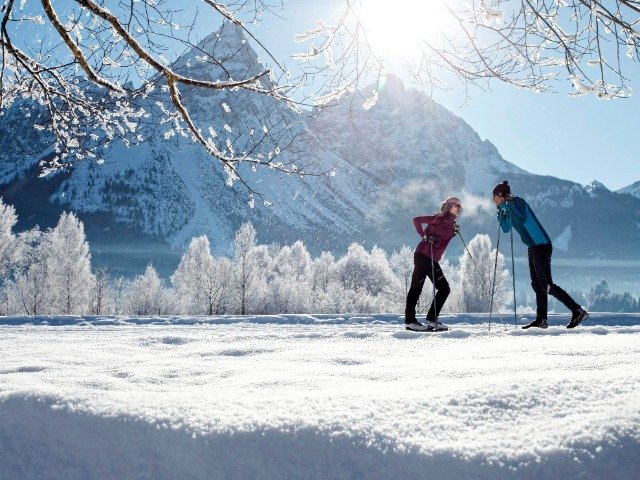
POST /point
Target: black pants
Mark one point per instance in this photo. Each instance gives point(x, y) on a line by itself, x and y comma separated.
point(540, 270)
point(421, 270)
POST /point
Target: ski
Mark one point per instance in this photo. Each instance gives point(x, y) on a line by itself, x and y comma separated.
point(428, 330)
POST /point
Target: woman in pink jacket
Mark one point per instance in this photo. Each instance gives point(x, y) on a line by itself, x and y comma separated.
point(441, 228)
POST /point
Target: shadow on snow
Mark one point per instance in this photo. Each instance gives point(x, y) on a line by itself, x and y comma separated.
point(41, 442)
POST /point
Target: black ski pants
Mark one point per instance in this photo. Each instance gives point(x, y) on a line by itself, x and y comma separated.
point(422, 268)
point(540, 270)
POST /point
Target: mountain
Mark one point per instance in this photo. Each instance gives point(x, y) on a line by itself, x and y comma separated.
point(403, 156)
point(633, 189)
point(398, 159)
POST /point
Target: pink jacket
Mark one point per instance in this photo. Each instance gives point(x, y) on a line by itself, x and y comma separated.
point(440, 226)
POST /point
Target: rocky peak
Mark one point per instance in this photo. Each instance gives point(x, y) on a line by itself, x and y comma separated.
point(224, 54)
point(633, 189)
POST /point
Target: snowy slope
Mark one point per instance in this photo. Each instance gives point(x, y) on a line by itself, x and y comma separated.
point(633, 189)
point(324, 397)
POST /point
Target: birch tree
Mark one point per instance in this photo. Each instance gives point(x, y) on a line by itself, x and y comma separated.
point(147, 295)
point(28, 292)
point(244, 266)
point(69, 267)
point(401, 263)
point(477, 277)
point(201, 281)
point(8, 240)
point(102, 295)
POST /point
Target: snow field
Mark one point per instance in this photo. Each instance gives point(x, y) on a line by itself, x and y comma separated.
point(317, 397)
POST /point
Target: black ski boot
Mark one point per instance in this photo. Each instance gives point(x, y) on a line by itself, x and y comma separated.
point(436, 327)
point(538, 323)
point(416, 326)
point(578, 317)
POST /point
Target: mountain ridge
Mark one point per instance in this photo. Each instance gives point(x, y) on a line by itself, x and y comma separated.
point(391, 162)
point(633, 189)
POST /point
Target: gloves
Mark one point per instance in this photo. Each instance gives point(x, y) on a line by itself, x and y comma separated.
point(456, 229)
point(429, 239)
point(502, 213)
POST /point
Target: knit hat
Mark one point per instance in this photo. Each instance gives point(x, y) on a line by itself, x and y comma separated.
point(448, 203)
point(502, 189)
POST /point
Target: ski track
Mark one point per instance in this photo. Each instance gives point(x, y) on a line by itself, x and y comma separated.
point(317, 396)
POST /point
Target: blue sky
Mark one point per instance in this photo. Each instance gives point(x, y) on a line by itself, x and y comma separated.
point(575, 138)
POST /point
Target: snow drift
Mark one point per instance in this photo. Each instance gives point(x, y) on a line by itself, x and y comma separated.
point(317, 397)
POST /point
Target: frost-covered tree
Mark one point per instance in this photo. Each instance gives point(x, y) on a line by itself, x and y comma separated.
point(244, 264)
point(8, 241)
point(51, 270)
point(28, 293)
point(401, 264)
point(4, 302)
point(261, 261)
point(293, 261)
point(289, 283)
point(147, 295)
point(322, 275)
point(69, 266)
point(477, 275)
point(322, 271)
point(201, 281)
point(366, 276)
point(121, 288)
point(359, 269)
point(102, 295)
point(335, 299)
point(454, 303)
point(535, 45)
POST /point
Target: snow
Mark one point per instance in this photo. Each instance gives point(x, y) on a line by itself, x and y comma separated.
point(594, 188)
point(633, 189)
point(491, 15)
point(562, 241)
point(317, 396)
point(204, 217)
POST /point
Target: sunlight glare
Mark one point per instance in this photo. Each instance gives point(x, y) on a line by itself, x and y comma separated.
point(397, 28)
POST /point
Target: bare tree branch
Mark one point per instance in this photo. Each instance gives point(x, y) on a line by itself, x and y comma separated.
point(124, 55)
point(523, 43)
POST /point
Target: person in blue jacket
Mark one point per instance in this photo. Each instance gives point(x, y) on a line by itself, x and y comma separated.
point(514, 212)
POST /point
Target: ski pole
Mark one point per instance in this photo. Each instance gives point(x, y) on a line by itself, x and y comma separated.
point(493, 286)
point(433, 282)
point(466, 248)
point(513, 275)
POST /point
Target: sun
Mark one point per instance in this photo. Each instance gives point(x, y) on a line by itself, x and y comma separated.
point(399, 28)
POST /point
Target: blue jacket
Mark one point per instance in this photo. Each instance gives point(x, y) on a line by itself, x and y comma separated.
point(517, 213)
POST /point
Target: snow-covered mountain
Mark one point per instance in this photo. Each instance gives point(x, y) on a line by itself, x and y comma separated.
point(633, 189)
point(400, 158)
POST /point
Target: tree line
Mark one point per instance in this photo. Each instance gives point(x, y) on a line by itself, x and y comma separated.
point(50, 273)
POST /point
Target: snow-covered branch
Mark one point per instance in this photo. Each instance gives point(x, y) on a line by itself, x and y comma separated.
point(540, 45)
point(106, 68)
